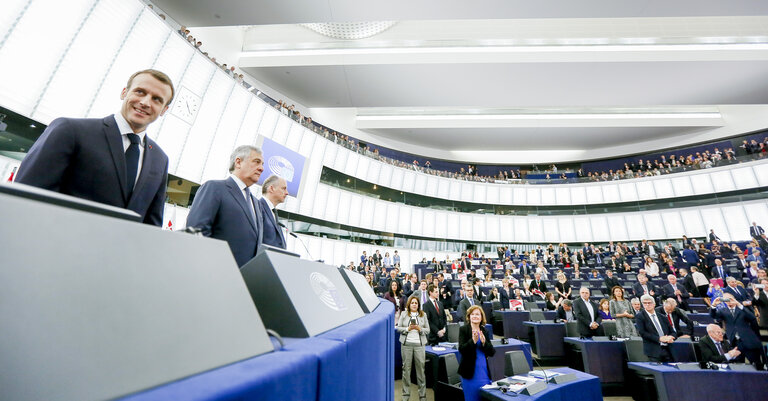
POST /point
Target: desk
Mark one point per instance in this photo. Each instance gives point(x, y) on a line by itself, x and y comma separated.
point(547, 338)
point(512, 323)
point(603, 357)
point(305, 369)
point(702, 385)
point(585, 388)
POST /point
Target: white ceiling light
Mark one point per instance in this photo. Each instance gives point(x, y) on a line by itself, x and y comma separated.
point(350, 30)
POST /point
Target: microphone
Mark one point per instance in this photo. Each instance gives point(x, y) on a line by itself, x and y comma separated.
point(292, 234)
point(192, 230)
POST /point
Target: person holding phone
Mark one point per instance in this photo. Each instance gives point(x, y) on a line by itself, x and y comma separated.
point(475, 347)
point(413, 328)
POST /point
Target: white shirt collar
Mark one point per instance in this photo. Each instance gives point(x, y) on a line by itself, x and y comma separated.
point(271, 206)
point(239, 182)
point(125, 128)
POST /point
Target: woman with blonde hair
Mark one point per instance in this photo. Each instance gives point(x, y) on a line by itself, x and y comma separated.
point(413, 328)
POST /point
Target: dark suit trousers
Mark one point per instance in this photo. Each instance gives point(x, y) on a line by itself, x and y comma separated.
point(756, 356)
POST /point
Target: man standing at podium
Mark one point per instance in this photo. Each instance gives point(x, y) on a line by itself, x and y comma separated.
point(226, 209)
point(273, 192)
point(108, 160)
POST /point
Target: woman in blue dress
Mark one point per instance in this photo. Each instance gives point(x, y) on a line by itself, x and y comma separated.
point(475, 347)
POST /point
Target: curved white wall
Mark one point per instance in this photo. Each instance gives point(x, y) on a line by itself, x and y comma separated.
point(694, 182)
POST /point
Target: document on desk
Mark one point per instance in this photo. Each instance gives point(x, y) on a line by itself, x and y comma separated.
point(539, 374)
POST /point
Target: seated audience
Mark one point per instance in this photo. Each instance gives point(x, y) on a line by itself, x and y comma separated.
point(565, 312)
point(674, 315)
point(605, 309)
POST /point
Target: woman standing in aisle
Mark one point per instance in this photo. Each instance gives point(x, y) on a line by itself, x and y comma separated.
point(413, 328)
point(475, 347)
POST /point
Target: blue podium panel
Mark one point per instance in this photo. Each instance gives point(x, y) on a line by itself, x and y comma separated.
point(370, 345)
point(331, 355)
point(279, 375)
point(585, 388)
point(704, 385)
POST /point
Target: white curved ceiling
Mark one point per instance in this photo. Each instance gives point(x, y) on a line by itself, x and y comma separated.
point(486, 57)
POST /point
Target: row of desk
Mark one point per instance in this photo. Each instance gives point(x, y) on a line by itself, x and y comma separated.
point(351, 362)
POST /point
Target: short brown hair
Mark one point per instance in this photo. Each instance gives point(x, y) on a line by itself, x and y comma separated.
point(472, 309)
point(158, 75)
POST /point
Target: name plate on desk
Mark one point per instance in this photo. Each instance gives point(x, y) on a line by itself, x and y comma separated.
point(363, 292)
point(296, 297)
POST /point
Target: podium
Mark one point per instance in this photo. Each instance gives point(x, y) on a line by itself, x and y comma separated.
point(95, 306)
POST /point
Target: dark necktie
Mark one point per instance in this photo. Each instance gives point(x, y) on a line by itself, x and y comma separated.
point(132, 161)
point(251, 206)
point(719, 348)
point(274, 213)
point(436, 308)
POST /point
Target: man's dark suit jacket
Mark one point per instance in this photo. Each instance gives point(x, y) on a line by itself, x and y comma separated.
point(756, 231)
point(85, 158)
point(741, 322)
point(584, 318)
point(667, 291)
point(504, 297)
point(689, 285)
point(464, 304)
point(637, 289)
point(761, 304)
point(468, 350)
point(436, 319)
point(541, 287)
point(677, 316)
point(562, 316)
point(273, 235)
point(741, 294)
point(646, 329)
point(220, 211)
point(611, 282)
point(709, 350)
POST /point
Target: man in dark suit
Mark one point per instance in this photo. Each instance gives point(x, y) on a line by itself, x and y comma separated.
point(715, 348)
point(655, 331)
point(676, 291)
point(446, 291)
point(690, 256)
point(756, 231)
point(669, 310)
point(718, 271)
point(587, 315)
point(688, 282)
point(435, 316)
point(712, 236)
point(226, 209)
point(466, 302)
point(741, 328)
point(273, 192)
point(565, 312)
point(738, 292)
point(537, 284)
point(761, 301)
point(108, 160)
point(643, 286)
point(610, 281)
